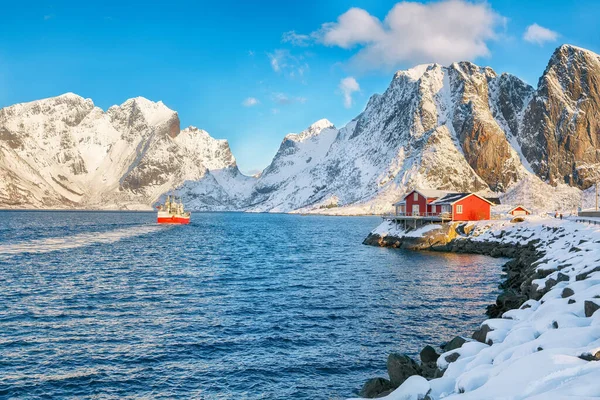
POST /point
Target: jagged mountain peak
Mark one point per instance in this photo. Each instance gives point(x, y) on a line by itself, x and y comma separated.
point(313, 130)
point(415, 73)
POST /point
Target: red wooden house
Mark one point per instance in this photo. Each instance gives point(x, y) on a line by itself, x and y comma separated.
point(519, 211)
point(465, 206)
point(440, 205)
point(418, 203)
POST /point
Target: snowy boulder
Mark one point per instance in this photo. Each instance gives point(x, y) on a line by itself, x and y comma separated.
point(400, 367)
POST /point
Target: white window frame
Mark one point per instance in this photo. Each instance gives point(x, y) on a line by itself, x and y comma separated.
point(416, 196)
point(416, 210)
point(459, 209)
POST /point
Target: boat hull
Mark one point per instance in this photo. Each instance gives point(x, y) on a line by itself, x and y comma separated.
point(173, 219)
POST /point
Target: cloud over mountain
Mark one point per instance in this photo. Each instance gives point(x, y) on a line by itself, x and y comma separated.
point(416, 33)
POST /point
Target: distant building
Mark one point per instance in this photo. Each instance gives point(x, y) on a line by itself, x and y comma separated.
point(439, 205)
point(519, 211)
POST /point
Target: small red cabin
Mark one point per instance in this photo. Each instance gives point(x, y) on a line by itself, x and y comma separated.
point(465, 206)
point(418, 203)
point(519, 211)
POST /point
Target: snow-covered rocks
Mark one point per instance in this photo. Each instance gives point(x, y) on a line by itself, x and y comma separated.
point(549, 346)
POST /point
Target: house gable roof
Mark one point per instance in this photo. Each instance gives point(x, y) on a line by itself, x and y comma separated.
point(428, 193)
point(452, 198)
point(521, 207)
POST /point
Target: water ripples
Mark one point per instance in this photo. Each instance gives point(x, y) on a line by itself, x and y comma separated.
point(231, 306)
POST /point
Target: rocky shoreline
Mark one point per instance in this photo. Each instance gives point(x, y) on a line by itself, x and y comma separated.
point(517, 287)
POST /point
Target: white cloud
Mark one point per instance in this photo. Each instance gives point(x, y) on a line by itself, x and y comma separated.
point(295, 39)
point(444, 32)
point(275, 111)
point(539, 35)
point(348, 86)
point(250, 102)
point(282, 61)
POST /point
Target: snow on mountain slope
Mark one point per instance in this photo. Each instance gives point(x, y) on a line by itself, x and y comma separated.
point(65, 152)
point(461, 127)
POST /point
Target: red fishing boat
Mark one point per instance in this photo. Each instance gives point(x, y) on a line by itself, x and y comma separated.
point(172, 212)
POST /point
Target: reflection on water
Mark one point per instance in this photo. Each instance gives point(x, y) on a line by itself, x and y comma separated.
point(232, 306)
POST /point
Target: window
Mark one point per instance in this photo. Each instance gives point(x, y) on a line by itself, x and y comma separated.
point(416, 196)
point(459, 209)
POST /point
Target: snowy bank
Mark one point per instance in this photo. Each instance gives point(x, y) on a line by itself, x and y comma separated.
point(545, 343)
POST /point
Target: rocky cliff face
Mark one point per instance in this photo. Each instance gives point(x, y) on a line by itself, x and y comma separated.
point(561, 127)
point(461, 127)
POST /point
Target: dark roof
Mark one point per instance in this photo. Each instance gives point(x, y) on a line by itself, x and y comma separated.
point(494, 200)
point(450, 198)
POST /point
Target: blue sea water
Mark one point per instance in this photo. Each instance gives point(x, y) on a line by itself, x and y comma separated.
point(240, 306)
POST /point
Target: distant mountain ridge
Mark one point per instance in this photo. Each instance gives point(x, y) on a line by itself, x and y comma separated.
point(461, 127)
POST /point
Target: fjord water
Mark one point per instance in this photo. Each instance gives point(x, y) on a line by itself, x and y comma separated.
point(232, 306)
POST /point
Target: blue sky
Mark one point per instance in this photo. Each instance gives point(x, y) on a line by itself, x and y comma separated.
point(251, 72)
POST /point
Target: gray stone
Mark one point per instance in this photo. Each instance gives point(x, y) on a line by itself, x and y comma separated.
point(400, 367)
point(428, 354)
point(590, 356)
point(562, 277)
point(567, 292)
point(571, 301)
point(590, 308)
point(454, 343)
point(375, 387)
point(584, 275)
point(452, 357)
point(481, 333)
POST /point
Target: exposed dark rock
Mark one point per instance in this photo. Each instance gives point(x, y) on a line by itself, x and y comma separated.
point(567, 292)
point(584, 275)
point(562, 277)
point(481, 333)
point(375, 387)
point(590, 308)
point(555, 325)
point(428, 354)
point(571, 301)
point(452, 357)
point(590, 356)
point(454, 344)
point(400, 367)
point(430, 370)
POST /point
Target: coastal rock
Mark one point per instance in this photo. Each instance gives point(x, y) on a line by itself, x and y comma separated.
point(454, 344)
point(400, 367)
point(428, 354)
point(375, 387)
point(452, 357)
point(590, 308)
point(481, 333)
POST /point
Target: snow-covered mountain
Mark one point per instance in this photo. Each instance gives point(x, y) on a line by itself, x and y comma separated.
point(461, 127)
point(64, 152)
